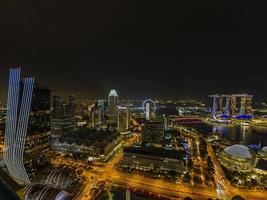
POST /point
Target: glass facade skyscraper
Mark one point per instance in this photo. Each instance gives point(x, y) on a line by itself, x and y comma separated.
point(63, 116)
point(112, 106)
point(123, 119)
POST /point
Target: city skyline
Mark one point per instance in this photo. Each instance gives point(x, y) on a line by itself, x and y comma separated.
point(95, 150)
point(134, 100)
point(126, 94)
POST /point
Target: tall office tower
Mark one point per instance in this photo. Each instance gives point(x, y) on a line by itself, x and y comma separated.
point(102, 111)
point(63, 108)
point(63, 117)
point(92, 118)
point(153, 132)
point(214, 107)
point(249, 109)
point(123, 119)
point(56, 106)
point(27, 132)
point(71, 106)
point(112, 106)
point(242, 108)
point(220, 104)
point(246, 105)
point(232, 105)
point(101, 105)
point(227, 105)
point(95, 118)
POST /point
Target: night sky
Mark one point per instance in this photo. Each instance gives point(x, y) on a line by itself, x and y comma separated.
point(143, 49)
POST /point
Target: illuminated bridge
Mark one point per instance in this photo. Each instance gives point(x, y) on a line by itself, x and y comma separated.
point(183, 120)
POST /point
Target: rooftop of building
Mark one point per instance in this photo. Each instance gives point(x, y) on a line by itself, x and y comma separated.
point(113, 93)
point(156, 152)
point(239, 151)
point(89, 137)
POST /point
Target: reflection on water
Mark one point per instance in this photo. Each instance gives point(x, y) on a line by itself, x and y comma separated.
point(242, 134)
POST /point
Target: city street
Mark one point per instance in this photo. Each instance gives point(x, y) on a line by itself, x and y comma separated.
point(110, 175)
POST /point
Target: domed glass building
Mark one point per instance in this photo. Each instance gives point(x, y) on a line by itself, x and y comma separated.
point(264, 152)
point(238, 158)
point(264, 149)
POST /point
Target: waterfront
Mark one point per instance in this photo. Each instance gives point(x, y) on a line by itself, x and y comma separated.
point(236, 133)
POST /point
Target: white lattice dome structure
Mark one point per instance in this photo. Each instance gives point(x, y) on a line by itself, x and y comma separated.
point(238, 158)
point(239, 151)
point(264, 149)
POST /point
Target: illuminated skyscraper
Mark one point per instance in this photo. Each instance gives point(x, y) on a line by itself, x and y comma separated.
point(27, 132)
point(227, 105)
point(95, 118)
point(233, 105)
point(220, 104)
point(101, 105)
point(63, 116)
point(101, 110)
point(246, 105)
point(249, 109)
point(71, 105)
point(112, 106)
point(123, 119)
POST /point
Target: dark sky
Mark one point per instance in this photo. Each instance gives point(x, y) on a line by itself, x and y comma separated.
point(141, 48)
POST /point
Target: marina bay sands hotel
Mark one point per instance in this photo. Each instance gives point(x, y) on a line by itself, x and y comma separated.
point(231, 105)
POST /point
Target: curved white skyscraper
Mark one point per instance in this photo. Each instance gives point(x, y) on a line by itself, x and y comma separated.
point(27, 135)
point(18, 109)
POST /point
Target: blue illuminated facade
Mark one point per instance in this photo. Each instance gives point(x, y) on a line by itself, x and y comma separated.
point(244, 117)
point(27, 128)
point(16, 124)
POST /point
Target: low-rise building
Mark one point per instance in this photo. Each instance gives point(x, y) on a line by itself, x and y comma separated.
point(90, 143)
point(153, 132)
point(153, 159)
